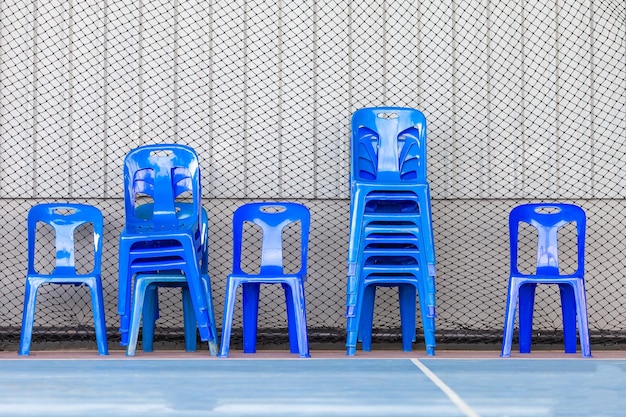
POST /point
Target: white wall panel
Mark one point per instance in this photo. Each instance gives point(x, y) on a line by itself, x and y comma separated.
point(334, 99)
point(609, 102)
point(87, 100)
point(540, 104)
point(472, 100)
point(298, 112)
point(52, 84)
point(124, 122)
point(506, 101)
point(159, 71)
point(437, 73)
point(16, 98)
point(228, 84)
point(576, 164)
point(264, 95)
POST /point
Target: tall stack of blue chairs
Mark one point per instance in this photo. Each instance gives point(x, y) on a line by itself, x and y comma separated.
point(164, 233)
point(391, 236)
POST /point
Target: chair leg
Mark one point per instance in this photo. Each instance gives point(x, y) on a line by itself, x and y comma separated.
point(227, 321)
point(583, 321)
point(149, 314)
point(213, 343)
point(189, 320)
point(124, 291)
point(425, 293)
point(99, 318)
point(137, 310)
point(407, 294)
point(291, 320)
point(526, 306)
point(353, 323)
point(198, 292)
point(28, 317)
point(250, 302)
point(299, 306)
point(568, 309)
point(509, 318)
point(367, 317)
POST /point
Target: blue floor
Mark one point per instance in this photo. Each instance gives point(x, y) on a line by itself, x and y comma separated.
point(314, 387)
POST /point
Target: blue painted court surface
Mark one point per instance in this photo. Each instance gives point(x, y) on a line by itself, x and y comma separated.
point(314, 387)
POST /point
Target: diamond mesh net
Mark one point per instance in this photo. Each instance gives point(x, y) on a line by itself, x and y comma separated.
point(525, 101)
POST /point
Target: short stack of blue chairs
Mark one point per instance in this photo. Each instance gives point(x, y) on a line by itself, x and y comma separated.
point(163, 232)
point(391, 236)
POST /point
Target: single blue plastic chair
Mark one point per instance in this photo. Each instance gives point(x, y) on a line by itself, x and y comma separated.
point(163, 233)
point(389, 191)
point(64, 218)
point(272, 218)
point(547, 218)
point(145, 302)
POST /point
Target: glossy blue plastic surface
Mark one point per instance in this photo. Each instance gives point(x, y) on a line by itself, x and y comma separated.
point(272, 218)
point(547, 218)
point(64, 218)
point(390, 221)
point(162, 201)
point(145, 301)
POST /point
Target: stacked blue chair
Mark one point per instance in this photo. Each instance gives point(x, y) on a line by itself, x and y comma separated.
point(145, 302)
point(391, 236)
point(163, 234)
point(547, 219)
point(272, 218)
point(64, 218)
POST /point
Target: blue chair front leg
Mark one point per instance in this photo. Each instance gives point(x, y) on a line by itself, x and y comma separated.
point(407, 294)
point(568, 309)
point(250, 302)
point(367, 317)
point(526, 306)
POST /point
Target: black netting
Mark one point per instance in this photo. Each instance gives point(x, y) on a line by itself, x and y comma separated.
point(525, 101)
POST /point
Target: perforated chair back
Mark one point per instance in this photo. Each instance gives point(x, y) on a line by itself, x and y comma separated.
point(65, 219)
point(547, 218)
point(272, 218)
point(162, 172)
point(388, 145)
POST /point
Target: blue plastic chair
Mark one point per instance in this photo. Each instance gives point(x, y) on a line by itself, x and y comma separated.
point(64, 218)
point(272, 218)
point(547, 218)
point(162, 234)
point(145, 302)
point(389, 190)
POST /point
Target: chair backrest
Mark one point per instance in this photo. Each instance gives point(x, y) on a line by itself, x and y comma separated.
point(162, 172)
point(388, 145)
point(65, 218)
point(272, 218)
point(548, 218)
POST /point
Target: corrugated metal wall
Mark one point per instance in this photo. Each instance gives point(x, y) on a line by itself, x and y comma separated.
point(525, 100)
